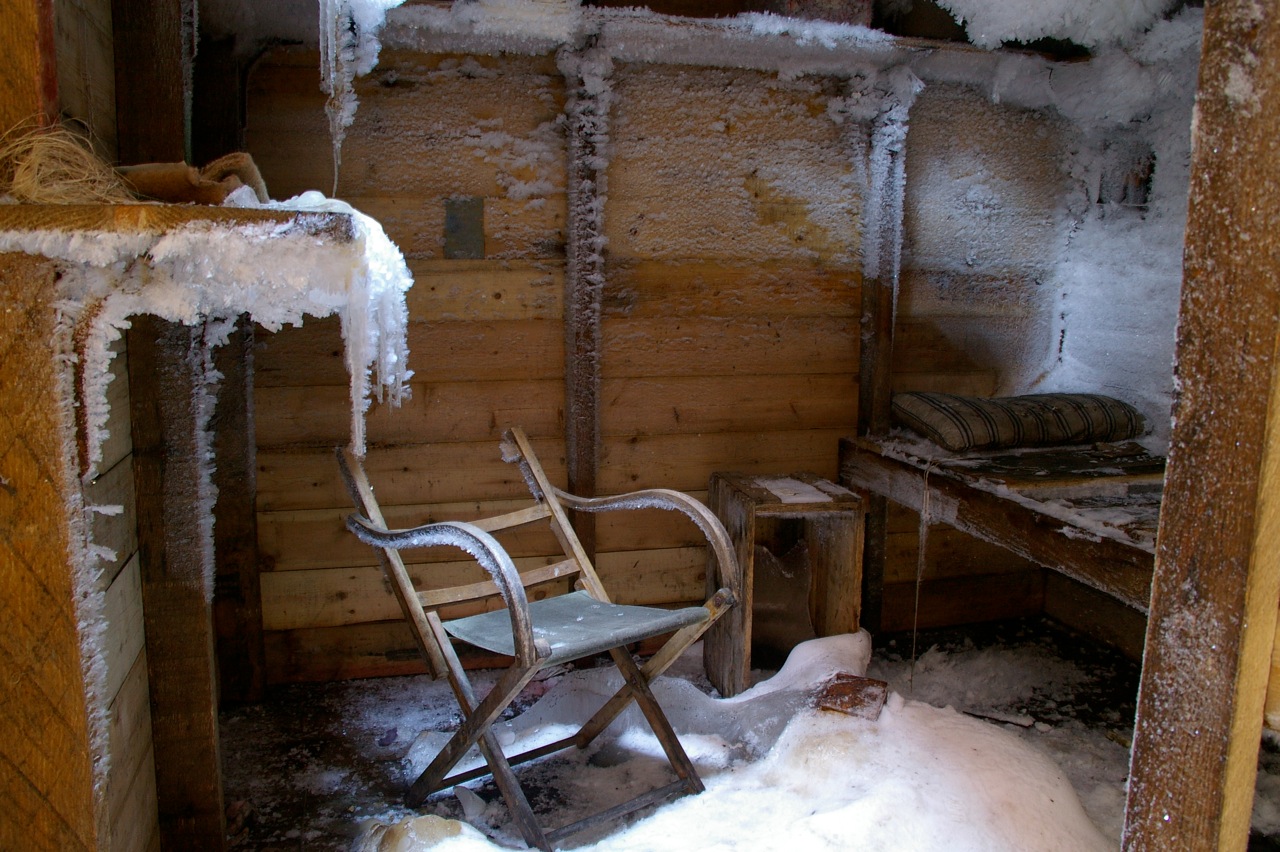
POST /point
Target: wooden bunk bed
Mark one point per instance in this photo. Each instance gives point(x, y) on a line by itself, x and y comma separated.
point(1088, 512)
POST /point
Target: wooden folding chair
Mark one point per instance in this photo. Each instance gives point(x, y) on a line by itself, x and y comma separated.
point(543, 632)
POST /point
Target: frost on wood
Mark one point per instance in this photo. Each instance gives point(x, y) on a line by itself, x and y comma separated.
point(276, 272)
point(349, 48)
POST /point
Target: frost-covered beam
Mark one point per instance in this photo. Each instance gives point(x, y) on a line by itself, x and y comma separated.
point(1217, 581)
point(586, 74)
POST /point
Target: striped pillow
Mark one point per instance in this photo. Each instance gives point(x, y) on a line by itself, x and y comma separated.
point(962, 423)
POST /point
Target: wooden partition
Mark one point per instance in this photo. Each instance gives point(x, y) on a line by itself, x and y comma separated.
point(461, 160)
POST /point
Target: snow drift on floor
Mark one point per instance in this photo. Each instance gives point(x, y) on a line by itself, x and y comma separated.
point(782, 775)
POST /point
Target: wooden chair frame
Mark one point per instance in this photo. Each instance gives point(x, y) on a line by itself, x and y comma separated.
point(531, 652)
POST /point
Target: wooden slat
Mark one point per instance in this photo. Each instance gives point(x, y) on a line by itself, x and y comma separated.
point(328, 597)
point(948, 553)
point(437, 412)
point(1120, 570)
point(1216, 591)
point(725, 347)
point(376, 649)
point(966, 600)
point(116, 532)
point(653, 577)
point(131, 784)
point(154, 45)
point(318, 538)
point(1094, 614)
point(470, 290)
point(686, 462)
point(716, 404)
point(402, 475)
point(118, 442)
point(689, 288)
point(122, 612)
point(312, 355)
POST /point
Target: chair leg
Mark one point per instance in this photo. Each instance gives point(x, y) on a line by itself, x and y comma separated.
point(639, 687)
point(474, 726)
point(512, 793)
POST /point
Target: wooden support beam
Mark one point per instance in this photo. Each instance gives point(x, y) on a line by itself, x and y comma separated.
point(154, 55)
point(584, 288)
point(28, 70)
point(1217, 581)
point(46, 775)
point(237, 599)
point(167, 378)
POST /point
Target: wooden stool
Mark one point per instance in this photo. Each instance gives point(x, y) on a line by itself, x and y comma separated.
point(831, 518)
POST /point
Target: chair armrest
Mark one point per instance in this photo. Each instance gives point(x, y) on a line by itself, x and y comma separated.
point(665, 498)
point(486, 550)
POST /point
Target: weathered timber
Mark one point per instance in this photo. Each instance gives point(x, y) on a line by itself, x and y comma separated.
point(948, 601)
point(46, 778)
point(1121, 569)
point(1217, 586)
point(831, 518)
point(29, 72)
point(167, 378)
point(154, 50)
point(237, 599)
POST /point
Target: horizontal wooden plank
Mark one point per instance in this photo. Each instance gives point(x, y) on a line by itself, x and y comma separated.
point(948, 553)
point(1108, 565)
point(313, 354)
point(708, 288)
point(471, 290)
point(1095, 614)
point(437, 412)
point(686, 462)
point(401, 475)
point(924, 293)
point(375, 649)
point(654, 577)
point(720, 347)
point(665, 405)
point(332, 597)
point(936, 345)
point(962, 600)
point(318, 538)
point(971, 383)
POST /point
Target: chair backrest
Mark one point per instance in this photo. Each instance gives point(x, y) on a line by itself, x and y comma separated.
point(419, 606)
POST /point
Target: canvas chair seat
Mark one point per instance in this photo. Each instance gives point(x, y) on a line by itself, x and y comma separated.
point(575, 625)
point(540, 633)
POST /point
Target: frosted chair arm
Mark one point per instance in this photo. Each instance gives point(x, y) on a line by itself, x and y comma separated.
point(482, 547)
point(665, 498)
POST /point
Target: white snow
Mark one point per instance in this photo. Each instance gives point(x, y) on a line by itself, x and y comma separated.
point(1087, 22)
point(781, 775)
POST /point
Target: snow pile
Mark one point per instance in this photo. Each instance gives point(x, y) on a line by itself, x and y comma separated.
point(781, 775)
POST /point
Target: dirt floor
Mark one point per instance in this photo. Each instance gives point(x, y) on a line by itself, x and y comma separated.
point(308, 767)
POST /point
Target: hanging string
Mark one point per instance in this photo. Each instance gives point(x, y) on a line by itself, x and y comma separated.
point(922, 542)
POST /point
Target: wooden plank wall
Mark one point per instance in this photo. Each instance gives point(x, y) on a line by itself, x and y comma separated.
point(86, 71)
point(130, 808)
point(486, 336)
point(730, 317)
point(730, 331)
point(969, 321)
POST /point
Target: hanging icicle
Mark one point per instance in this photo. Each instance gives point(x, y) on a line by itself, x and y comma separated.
point(348, 49)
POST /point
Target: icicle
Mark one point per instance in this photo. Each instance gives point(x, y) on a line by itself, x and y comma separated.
point(349, 48)
point(882, 238)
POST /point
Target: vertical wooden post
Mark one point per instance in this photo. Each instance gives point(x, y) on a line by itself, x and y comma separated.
point(584, 286)
point(167, 380)
point(28, 70)
point(46, 776)
point(154, 52)
point(1217, 578)
point(237, 599)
